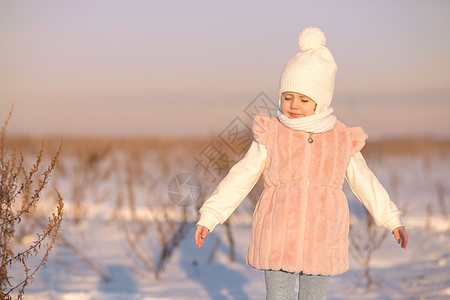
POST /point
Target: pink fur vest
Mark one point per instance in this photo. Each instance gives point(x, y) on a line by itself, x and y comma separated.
point(301, 221)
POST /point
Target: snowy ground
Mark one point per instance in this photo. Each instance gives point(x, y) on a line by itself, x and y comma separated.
point(421, 272)
point(105, 268)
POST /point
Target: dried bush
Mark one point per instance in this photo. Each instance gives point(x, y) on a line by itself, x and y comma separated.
point(20, 191)
point(366, 238)
point(153, 220)
point(364, 241)
point(441, 192)
point(89, 170)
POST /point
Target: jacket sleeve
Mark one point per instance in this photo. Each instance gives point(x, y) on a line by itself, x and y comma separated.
point(372, 194)
point(233, 189)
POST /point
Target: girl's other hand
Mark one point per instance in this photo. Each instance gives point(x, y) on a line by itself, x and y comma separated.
point(200, 235)
point(401, 236)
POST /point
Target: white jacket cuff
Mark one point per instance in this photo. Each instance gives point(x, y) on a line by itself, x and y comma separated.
point(208, 220)
point(393, 223)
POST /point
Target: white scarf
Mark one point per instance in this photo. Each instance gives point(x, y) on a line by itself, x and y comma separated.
point(317, 123)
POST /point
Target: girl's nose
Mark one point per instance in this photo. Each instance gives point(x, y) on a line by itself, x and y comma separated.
point(295, 103)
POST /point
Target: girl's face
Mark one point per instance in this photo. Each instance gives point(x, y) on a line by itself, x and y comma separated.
point(296, 105)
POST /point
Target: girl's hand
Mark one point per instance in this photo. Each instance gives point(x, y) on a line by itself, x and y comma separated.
point(401, 236)
point(200, 235)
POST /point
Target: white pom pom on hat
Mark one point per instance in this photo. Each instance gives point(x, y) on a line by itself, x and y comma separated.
point(312, 71)
point(311, 38)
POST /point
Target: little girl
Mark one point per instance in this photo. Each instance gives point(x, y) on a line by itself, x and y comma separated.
point(301, 222)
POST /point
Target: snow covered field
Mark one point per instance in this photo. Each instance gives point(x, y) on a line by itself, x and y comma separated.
point(117, 215)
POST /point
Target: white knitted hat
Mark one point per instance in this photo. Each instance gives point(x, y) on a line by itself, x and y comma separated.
point(312, 71)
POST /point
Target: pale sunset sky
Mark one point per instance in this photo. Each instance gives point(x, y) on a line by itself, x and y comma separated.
point(188, 68)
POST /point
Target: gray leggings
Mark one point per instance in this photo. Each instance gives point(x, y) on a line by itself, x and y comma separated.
point(280, 285)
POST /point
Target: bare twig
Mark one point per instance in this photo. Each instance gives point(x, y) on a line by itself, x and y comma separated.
point(16, 184)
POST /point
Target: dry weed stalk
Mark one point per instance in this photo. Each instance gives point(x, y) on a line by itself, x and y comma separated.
point(364, 242)
point(441, 192)
point(169, 234)
point(90, 171)
point(429, 217)
point(81, 256)
point(20, 192)
point(138, 230)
